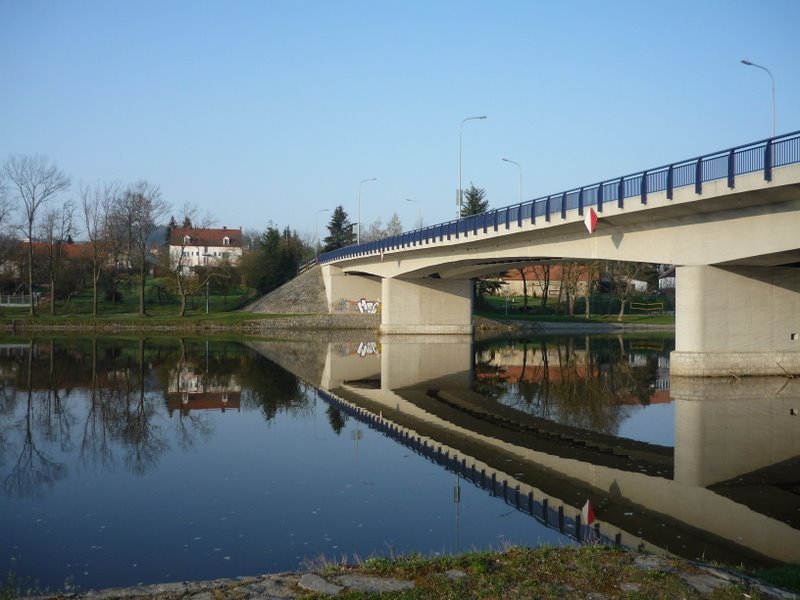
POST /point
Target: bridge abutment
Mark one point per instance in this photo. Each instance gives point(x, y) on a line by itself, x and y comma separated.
point(736, 320)
point(351, 293)
point(426, 306)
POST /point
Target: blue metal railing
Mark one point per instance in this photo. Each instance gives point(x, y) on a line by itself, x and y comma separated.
point(764, 155)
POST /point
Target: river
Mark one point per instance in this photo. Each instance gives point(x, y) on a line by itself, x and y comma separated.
point(133, 461)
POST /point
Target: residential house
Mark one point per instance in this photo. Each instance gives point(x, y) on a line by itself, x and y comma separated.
point(196, 247)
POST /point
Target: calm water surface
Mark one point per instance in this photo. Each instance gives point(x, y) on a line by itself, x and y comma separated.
point(126, 462)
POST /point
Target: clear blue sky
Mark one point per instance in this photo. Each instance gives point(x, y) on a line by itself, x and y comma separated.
point(272, 110)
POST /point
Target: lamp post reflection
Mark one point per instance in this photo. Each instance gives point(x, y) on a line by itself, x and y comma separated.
point(457, 502)
point(356, 435)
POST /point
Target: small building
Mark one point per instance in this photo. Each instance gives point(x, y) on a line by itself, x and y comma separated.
point(535, 276)
point(666, 280)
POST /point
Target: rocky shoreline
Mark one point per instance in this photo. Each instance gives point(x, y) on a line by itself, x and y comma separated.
point(694, 579)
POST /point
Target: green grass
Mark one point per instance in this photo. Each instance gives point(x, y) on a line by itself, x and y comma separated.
point(161, 309)
point(544, 572)
point(786, 576)
point(497, 307)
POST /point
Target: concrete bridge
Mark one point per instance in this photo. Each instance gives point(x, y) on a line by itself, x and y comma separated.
point(729, 221)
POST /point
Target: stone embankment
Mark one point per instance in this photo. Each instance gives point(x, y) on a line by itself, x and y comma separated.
point(305, 294)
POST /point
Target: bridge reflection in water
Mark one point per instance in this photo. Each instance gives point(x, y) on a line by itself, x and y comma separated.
point(728, 491)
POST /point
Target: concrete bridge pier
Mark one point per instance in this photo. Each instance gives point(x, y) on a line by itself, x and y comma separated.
point(741, 320)
point(426, 306)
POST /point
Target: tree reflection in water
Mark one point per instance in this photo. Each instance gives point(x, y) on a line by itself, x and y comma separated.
point(126, 393)
point(34, 471)
point(580, 382)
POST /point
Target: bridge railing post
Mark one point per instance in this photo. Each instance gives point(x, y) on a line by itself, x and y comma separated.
point(600, 197)
point(698, 176)
point(731, 169)
point(643, 189)
point(768, 161)
point(670, 181)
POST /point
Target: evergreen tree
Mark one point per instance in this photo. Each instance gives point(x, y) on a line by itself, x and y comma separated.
point(279, 254)
point(475, 202)
point(340, 229)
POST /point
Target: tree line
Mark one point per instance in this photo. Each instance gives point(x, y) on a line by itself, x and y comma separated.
point(127, 244)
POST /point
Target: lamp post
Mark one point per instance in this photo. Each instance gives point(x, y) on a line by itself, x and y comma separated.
point(752, 64)
point(358, 231)
point(513, 162)
point(419, 207)
point(208, 279)
point(316, 229)
point(460, 139)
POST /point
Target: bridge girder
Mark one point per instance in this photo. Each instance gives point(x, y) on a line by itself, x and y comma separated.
point(757, 223)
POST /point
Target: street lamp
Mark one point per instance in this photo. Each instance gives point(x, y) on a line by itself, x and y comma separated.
point(208, 279)
point(316, 228)
point(358, 231)
point(513, 162)
point(419, 207)
point(752, 64)
point(460, 138)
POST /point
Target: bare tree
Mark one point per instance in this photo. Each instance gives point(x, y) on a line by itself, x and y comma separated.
point(541, 274)
point(373, 231)
point(523, 275)
point(571, 274)
point(6, 204)
point(394, 226)
point(624, 274)
point(137, 212)
point(56, 228)
point(35, 182)
point(97, 203)
point(7, 245)
point(187, 280)
point(592, 276)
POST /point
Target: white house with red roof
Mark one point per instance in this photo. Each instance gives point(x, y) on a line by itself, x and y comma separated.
point(194, 247)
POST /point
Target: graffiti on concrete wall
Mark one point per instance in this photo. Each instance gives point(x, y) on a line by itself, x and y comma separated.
point(362, 306)
point(367, 348)
point(368, 307)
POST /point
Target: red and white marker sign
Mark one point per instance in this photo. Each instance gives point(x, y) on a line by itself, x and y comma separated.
point(590, 220)
point(587, 513)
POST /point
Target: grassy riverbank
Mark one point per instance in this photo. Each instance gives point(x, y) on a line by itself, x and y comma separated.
point(550, 572)
point(546, 572)
point(19, 320)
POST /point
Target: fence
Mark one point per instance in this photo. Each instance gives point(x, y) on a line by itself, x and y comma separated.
point(16, 301)
point(647, 307)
